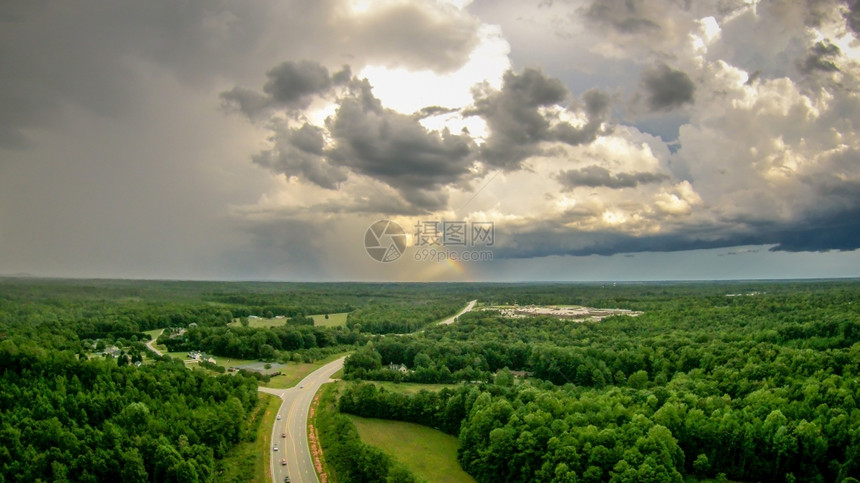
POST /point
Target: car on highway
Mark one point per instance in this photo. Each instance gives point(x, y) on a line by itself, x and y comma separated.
point(275, 448)
point(283, 435)
point(279, 416)
point(302, 386)
point(283, 461)
point(286, 479)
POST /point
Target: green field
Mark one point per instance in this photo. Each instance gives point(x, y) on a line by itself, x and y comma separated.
point(334, 320)
point(428, 453)
point(252, 458)
point(154, 333)
point(412, 387)
point(260, 323)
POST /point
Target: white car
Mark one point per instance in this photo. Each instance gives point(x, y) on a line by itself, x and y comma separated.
point(275, 448)
point(279, 416)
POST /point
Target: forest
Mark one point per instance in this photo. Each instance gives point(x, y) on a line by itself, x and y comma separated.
point(710, 382)
point(740, 381)
point(68, 413)
point(69, 419)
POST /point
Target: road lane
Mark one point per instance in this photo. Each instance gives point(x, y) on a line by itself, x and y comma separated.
point(451, 319)
point(294, 421)
point(151, 344)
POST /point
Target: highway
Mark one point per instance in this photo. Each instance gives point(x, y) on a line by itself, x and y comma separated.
point(294, 421)
point(451, 319)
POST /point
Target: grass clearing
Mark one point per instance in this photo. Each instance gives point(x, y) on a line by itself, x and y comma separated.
point(260, 323)
point(333, 320)
point(249, 461)
point(410, 388)
point(154, 333)
point(428, 453)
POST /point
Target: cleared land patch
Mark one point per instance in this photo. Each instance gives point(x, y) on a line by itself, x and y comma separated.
point(573, 312)
point(333, 320)
point(428, 453)
point(412, 387)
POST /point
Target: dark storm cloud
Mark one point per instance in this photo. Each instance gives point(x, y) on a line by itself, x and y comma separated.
point(430, 111)
point(594, 176)
point(839, 231)
point(852, 16)
point(626, 16)
point(820, 230)
point(517, 125)
point(596, 110)
point(290, 84)
point(394, 148)
point(821, 58)
point(299, 152)
point(828, 224)
point(666, 88)
point(365, 137)
point(834, 233)
point(547, 239)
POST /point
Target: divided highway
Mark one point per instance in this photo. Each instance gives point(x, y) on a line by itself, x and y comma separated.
point(293, 424)
point(289, 432)
point(451, 319)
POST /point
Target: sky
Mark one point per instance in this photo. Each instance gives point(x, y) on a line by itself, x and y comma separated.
point(496, 140)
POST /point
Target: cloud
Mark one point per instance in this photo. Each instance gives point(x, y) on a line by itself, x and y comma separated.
point(416, 35)
point(300, 152)
point(821, 58)
point(361, 137)
point(525, 112)
point(115, 160)
point(852, 16)
point(395, 148)
point(747, 166)
point(290, 85)
point(627, 16)
point(666, 88)
point(594, 176)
